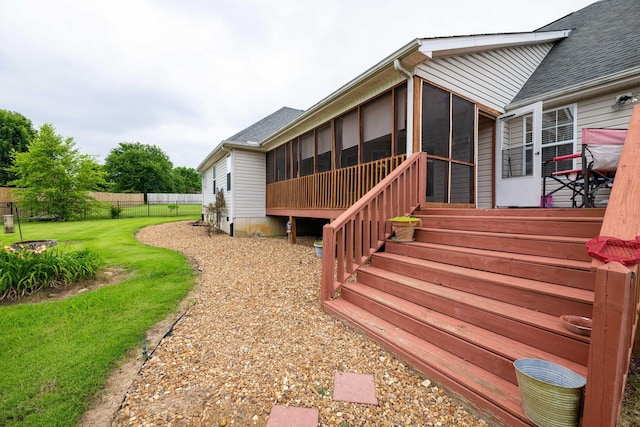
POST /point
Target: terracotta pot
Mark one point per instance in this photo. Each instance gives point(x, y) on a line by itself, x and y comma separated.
point(404, 230)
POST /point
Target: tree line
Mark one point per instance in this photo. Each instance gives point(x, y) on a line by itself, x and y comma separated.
point(52, 177)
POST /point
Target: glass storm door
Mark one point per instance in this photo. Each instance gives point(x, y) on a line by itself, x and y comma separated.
point(518, 166)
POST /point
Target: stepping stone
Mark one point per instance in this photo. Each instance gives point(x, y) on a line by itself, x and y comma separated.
point(289, 416)
point(356, 388)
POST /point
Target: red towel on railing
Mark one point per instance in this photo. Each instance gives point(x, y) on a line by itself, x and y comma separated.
point(608, 249)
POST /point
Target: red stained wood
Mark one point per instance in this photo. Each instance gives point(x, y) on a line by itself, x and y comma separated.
point(496, 398)
point(542, 245)
point(570, 226)
point(572, 273)
point(482, 347)
point(535, 295)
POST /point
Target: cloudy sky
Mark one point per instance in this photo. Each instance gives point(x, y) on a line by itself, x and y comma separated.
point(186, 74)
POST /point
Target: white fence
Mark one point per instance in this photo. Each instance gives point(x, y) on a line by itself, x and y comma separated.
point(169, 198)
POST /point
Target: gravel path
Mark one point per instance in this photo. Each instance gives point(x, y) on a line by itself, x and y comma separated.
point(255, 336)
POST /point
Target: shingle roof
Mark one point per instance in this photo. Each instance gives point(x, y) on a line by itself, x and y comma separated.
point(605, 40)
point(258, 131)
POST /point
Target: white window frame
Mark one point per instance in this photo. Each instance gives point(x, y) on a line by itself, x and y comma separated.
point(573, 142)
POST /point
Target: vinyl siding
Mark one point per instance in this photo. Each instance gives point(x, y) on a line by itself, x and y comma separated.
point(491, 78)
point(596, 113)
point(249, 184)
point(221, 182)
point(485, 164)
point(207, 188)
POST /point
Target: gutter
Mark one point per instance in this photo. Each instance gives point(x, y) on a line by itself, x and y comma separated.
point(225, 147)
point(398, 66)
point(569, 94)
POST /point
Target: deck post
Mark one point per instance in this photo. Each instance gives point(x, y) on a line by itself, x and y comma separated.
point(291, 230)
point(614, 311)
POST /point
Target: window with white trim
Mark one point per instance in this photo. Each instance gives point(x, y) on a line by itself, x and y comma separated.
point(558, 138)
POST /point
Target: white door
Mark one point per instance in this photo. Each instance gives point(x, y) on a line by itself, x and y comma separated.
point(518, 164)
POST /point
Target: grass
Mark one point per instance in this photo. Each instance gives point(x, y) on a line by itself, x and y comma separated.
point(55, 356)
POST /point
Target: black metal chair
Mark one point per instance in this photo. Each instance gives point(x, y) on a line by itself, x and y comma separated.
point(601, 149)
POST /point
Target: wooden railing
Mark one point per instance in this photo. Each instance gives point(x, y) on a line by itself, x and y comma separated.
point(354, 236)
point(616, 302)
point(336, 189)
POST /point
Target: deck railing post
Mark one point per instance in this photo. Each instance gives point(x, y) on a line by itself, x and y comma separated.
point(392, 196)
point(614, 311)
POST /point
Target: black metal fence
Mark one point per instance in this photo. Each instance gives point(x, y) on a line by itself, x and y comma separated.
point(115, 210)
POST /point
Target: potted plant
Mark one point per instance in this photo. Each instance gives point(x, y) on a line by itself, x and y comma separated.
point(318, 247)
point(404, 227)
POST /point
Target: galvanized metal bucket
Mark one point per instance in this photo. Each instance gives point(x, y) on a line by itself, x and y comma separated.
point(551, 394)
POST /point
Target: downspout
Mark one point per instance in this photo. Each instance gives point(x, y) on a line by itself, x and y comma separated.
point(402, 70)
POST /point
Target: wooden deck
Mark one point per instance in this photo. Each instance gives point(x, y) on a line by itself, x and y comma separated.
point(463, 313)
point(480, 288)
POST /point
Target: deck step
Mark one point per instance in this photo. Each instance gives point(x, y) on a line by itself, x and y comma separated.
point(560, 271)
point(520, 212)
point(530, 327)
point(561, 247)
point(542, 296)
point(560, 226)
point(482, 347)
point(477, 290)
point(497, 398)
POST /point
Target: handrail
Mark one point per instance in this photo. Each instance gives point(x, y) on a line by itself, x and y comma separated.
point(616, 301)
point(350, 240)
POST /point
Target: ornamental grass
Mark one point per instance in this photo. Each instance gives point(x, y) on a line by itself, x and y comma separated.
point(25, 271)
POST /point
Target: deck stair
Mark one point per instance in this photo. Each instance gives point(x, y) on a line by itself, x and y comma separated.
point(476, 290)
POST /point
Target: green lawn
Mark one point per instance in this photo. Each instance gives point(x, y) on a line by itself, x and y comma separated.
point(55, 356)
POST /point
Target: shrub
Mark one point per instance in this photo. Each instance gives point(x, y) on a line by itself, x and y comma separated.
point(115, 211)
point(25, 271)
point(173, 208)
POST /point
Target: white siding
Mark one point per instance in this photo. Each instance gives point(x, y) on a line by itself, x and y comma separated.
point(220, 169)
point(249, 172)
point(207, 187)
point(485, 163)
point(595, 113)
point(491, 78)
point(221, 183)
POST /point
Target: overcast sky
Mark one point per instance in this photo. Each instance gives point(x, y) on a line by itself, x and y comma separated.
point(186, 74)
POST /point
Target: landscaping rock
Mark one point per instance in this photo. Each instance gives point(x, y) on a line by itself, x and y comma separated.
point(255, 336)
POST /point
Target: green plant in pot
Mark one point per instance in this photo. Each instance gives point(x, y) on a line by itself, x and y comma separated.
point(404, 227)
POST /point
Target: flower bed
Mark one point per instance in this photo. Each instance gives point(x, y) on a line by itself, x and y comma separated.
point(34, 266)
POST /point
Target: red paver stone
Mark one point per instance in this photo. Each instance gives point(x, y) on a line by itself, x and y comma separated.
point(289, 416)
point(356, 388)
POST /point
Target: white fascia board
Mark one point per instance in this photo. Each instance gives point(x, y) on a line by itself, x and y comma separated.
point(612, 82)
point(387, 62)
point(465, 44)
point(216, 154)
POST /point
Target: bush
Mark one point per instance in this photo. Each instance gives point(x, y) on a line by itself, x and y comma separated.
point(25, 271)
point(115, 211)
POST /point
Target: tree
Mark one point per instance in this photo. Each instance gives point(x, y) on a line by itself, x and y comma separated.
point(16, 133)
point(53, 178)
point(186, 180)
point(142, 168)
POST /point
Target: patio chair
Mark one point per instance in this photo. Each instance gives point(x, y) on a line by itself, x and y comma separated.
point(601, 149)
